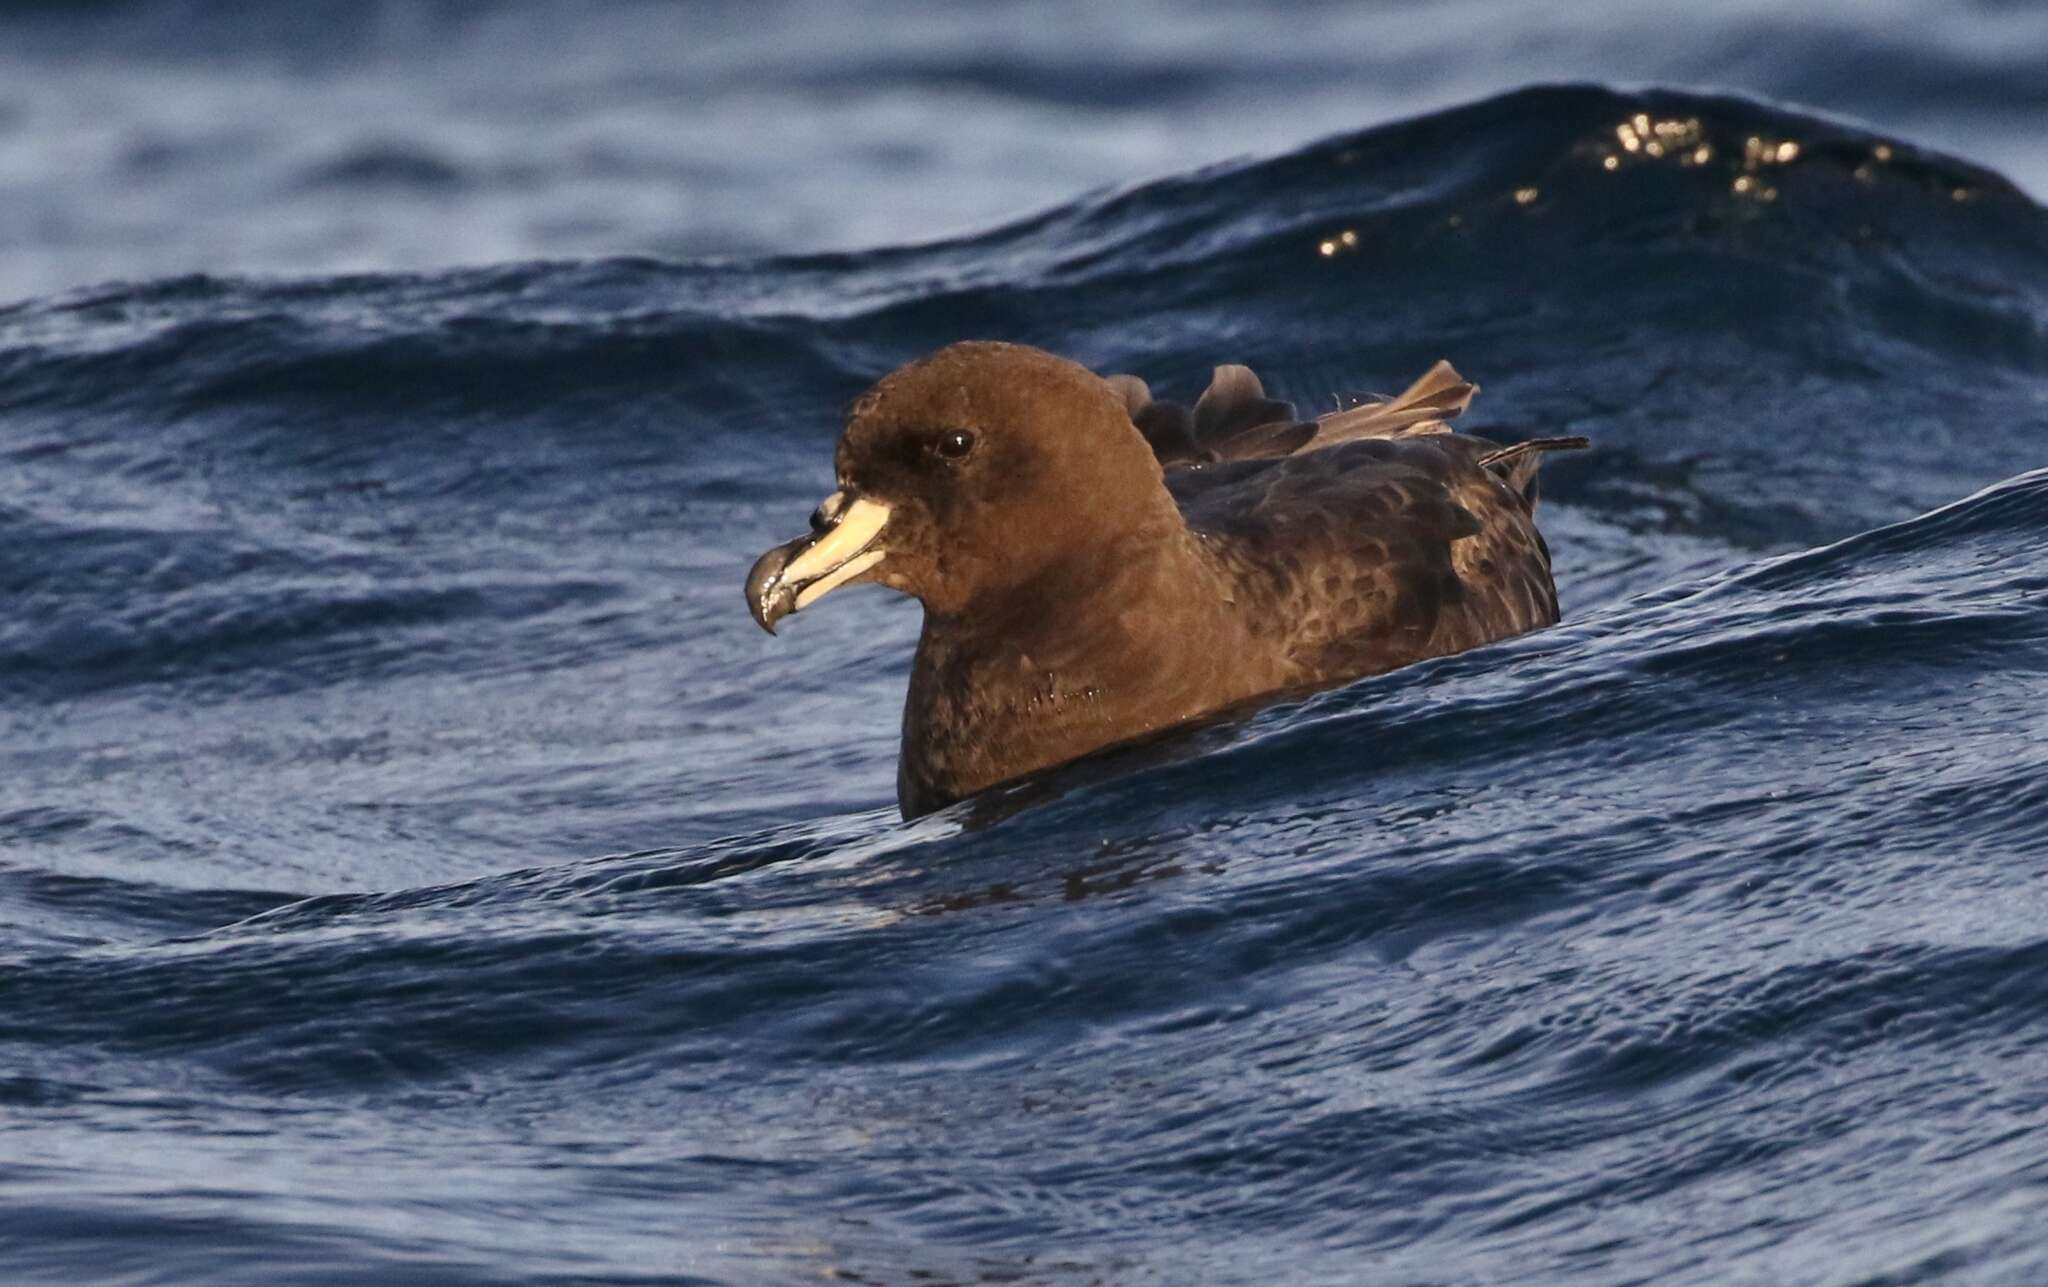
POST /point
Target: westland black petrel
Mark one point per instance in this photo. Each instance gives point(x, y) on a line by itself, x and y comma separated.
point(1096, 566)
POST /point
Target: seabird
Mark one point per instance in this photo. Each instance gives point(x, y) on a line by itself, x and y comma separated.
point(1096, 566)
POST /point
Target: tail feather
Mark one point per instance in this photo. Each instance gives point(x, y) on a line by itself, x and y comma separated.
point(1517, 464)
point(1235, 420)
point(1235, 402)
point(1424, 407)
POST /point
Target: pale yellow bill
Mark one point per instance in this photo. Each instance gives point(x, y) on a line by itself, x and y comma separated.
point(852, 568)
point(841, 553)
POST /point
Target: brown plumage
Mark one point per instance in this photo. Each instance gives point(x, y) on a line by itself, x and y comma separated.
point(1096, 565)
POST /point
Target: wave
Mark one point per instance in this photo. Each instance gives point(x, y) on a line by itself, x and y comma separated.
point(353, 614)
point(1703, 678)
point(1363, 927)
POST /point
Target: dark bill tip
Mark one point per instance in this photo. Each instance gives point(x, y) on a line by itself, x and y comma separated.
point(769, 597)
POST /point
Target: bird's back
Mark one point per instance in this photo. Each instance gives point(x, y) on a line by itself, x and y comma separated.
point(1365, 540)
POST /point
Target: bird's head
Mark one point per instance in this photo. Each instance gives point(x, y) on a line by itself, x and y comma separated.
point(983, 472)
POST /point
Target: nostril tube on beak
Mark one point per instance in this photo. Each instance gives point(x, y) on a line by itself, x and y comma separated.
point(828, 511)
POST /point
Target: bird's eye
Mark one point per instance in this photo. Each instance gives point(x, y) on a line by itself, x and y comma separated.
point(954, 444)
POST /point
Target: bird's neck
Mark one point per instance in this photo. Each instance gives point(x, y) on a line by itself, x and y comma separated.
point(1064, 666)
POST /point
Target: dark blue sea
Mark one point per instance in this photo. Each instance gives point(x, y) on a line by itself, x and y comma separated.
point(416, 867)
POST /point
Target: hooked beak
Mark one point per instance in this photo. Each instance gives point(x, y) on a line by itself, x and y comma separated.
point(840, 547)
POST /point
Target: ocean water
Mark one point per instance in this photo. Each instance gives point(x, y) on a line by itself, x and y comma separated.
point(415, 866)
